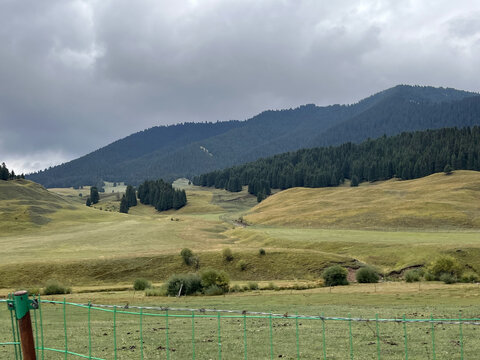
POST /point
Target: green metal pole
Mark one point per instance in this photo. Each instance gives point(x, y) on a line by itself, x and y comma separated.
point(166, 333)
point(297, 336)
point(245, 336)
point(141, 333)
point(41, 325)
point(461, 335)
point(36, 330)
point(323, 336)
point(219, 338)
point(65, 327)
point(405, 337)
point(89, 333)
point(193, 335)
point(433, 336)
point(271, 337)
point(14, 333)
point(115, 332)
point(378, 337)
point(350, 335)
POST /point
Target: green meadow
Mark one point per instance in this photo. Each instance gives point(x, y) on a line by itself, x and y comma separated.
point(51, 234)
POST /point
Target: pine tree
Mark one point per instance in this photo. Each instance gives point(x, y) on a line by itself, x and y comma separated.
point(131, 196)
point(94, 197)
point(124, 205)
point(4, 174)
point(88, 202)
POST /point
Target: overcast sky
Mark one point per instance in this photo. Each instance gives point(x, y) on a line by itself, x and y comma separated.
point(77, 75)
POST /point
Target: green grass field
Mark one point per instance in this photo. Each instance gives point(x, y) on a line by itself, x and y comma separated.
point(99, 252)
point(81, 246)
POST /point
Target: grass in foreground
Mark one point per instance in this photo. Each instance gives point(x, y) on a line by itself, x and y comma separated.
point(389, 300)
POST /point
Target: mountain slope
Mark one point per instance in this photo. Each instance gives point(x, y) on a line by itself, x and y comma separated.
point(437, 201)
point(189, 149)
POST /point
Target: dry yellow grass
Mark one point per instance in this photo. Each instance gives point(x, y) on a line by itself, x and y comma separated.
point(434, 202)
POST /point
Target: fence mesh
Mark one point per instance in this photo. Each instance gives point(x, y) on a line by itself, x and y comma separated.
point(66, 330)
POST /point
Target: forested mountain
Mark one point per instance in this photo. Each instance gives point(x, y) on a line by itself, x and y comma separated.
point(187, 150)
point(407, 156)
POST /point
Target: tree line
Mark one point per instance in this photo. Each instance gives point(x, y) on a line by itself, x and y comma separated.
point(6, 174)
point(161, 195)
point(406, 156)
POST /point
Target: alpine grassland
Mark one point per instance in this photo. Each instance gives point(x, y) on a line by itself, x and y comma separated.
point(393, 226)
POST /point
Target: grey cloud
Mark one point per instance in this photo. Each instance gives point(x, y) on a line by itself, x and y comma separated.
point(77, 75)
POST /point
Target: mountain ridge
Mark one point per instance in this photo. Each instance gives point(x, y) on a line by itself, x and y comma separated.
point(189, 149)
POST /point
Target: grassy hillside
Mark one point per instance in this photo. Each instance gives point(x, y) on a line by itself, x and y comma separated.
point(301, 234)
point(438, 201)
point(26, 205)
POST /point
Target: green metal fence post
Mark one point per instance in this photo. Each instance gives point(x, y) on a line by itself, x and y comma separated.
point(271, 337)
point(297, 336)
point(323, 338)
point(115, 332)
point(433, 336)
point(141, 333)
point(219, 338)
point(166, 333)
point(245, 336)
point(16, 340)
point(65, 327)
point(350, 335)
point(41, 325)
point(378, 337)
point(461, 334)
point(36, 328)
point(89, 332)
point(405, 336)
point(193, 335)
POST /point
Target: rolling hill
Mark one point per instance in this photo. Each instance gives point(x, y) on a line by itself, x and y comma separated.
point(186, 150)
point(26, 205)
point(434, 202)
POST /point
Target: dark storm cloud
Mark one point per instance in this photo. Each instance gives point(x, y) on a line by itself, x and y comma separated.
point(76, 75)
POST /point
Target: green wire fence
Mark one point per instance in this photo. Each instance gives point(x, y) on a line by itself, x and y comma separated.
point(66, 330)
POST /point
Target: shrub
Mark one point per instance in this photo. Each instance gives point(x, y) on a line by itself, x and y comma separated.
point(270, 286)
point(447, 169)
point(429, 276)
point(262, 252)
point(448, 278)
point(162, 291)
point(445, 265)
point(53, 287)
point(214, 290)
point(211, 277)
point(469, 277)
point(187, 256)
point(188, 283)
point(412, 275)
point(253, 285)
point(141, 284)
point(227, 254)
point(236, 288)
point(367, 275)
point(335, 275)
point(242, 265)
point(34, 291)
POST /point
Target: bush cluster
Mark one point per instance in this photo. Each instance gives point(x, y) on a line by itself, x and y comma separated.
point(53, 287)
point(227, 254)
point(335, 275)
point(367, 275)
point(208, 282)
point(141, 284)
